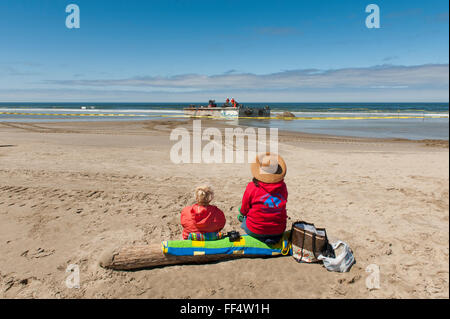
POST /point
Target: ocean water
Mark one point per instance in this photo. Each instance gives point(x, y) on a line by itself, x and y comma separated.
point(384, 120)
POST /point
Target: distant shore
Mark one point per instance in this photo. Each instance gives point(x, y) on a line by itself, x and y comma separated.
point(414, 121)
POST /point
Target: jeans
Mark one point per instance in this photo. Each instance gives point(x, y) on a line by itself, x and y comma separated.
point(267, 239)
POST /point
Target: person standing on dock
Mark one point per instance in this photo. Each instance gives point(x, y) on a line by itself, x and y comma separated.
point(233, 102)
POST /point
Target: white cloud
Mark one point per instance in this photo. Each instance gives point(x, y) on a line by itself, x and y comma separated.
point(383, 83)
point(383, 76)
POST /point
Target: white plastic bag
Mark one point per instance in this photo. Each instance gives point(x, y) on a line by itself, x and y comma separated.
point(343, 262)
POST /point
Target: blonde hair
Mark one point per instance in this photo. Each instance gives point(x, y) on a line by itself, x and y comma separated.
point(204, 195)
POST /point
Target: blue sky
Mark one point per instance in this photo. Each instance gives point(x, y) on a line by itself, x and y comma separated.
point(190, 50)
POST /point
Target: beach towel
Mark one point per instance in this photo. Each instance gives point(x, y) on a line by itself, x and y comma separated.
point(206, 236)
point(246, 245)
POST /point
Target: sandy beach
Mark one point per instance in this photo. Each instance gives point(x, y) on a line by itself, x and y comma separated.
point(70, 191)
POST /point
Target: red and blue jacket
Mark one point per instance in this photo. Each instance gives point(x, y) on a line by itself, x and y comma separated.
point(264, 206)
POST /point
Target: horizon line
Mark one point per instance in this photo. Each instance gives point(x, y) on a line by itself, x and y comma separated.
point(205, 102)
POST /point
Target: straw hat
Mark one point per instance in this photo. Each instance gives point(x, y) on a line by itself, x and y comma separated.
point(269, 168)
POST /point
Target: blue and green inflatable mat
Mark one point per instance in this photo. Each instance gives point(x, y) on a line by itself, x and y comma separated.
point(246, 245)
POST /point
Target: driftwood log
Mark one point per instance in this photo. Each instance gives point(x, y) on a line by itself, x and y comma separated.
point(148, 256)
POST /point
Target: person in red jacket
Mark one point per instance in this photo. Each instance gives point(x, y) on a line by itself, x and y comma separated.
point(202, 217)
point(263, 210)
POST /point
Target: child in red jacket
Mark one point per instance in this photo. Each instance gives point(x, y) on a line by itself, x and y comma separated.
point(202, 218)
point(263, 210)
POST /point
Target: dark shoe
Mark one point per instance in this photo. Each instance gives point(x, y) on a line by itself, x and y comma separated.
point(271, 241)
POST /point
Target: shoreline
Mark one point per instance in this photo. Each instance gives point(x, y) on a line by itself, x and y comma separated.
point(420, 121)
point(31, 126)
